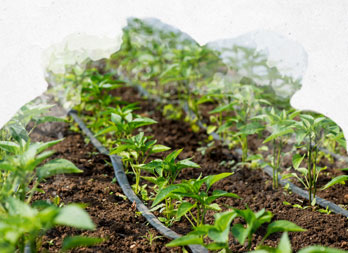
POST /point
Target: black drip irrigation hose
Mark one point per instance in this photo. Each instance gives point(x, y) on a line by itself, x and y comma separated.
point(127, 189)
point(295, 189)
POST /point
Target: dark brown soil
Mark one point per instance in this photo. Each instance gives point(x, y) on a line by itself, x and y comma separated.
point(117, 221)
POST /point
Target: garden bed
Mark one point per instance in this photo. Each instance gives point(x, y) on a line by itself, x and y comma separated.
point(117, 220)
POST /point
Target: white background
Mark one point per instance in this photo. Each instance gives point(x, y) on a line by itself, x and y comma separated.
point(27, 28)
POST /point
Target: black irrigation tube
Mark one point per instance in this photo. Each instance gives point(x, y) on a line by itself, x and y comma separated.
point(267, 169)
point(127, 189)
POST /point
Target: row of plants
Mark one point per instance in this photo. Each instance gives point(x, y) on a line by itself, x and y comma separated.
point(184, 74)
point(122, 130)
point(24, 164)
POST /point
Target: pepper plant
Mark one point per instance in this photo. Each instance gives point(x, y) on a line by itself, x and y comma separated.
point(20, 168)
point(219, 232)
point(202, 201)
point(165, 173)
point(284, 246)
point(310, 132)
point(240, 123)
point(135, 151)
point(124, 122)
point(22, 225)
point(281, 125)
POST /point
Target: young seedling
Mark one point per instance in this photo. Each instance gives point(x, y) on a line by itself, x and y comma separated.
point(20, 168)
point(220, 231)
point(151, 237)
point(280, 125)
point(284, 246)
point(124, 122)
point(202, 201)
point(135, 151)
point(23, 225)
point(309, 131)
point(95, 90)
point(167, 169)
point(165, 173)
point(242, 108)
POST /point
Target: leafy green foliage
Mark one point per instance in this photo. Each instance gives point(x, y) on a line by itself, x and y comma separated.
point(220, 231)
point(201, 200)
point(22, 168)
point(79, 241)
point(124, 122)
point(168, 169)
point(136, 150)
point(310, 132)
point(22, 225)
point(21, 163)
point(284, 246)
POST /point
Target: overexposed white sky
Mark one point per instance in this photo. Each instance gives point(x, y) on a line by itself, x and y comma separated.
point(28, 28)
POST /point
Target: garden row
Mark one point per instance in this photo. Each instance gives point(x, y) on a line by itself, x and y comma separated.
point(137, 146)
point(177, 72)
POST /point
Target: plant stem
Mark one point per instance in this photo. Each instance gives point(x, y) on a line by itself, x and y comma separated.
point(277, 165)
point(309, 168)
point(315, 171)
point(275, 185)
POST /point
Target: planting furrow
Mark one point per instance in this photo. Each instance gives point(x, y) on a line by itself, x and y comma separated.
point(233, 184)
point(295, 189)
point(127, 190)
point(116, 219)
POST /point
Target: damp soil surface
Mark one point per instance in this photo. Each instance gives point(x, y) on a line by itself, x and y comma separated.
point(125, 231)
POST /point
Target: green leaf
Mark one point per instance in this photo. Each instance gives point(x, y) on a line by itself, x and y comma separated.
point(218, 194)
point(159, 148)
point(212, 179)
point(9, 146)
point(164, 194)
point(223, 108)
point(211, 129)
point(44, 119)
point(186, 240)
point(223, 220)
point(282, 226)
point(240, 233)
point(288, 175)
point(17, 207)
point(57, 166)
point(214, 207)
point(43, 146)
point(115, 118)
point(300, 135)
point(150, 179)
point(43, 156)
point(320, 249)
point(74, 216)
point(6, 166)
point(80, 241)
point(284, 245)
point(143, 121)
point(172, 156)
point(216, 246)
point(184, 208)
point(106, 130)
point(277, 134)
point(218, 235)
point(303, 171)
point(337, 180)
point(187, 163)
point(296, 160)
